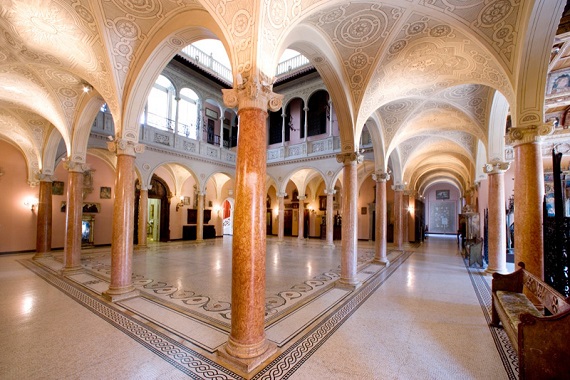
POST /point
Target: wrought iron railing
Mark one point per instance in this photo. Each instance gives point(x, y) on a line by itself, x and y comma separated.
point(204, 60)
point(291, 64)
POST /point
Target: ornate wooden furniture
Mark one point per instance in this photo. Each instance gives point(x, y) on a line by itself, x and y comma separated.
point(542, 342)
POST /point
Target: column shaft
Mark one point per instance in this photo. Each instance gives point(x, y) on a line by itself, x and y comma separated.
point(380, 254)
point(200, 221)
point(123, 229)
point(301, 229)
point(143, 217)
point(330, 219)
point(348, 261)
point(247, 337)
point(73, 216)
point(497, 229)
point(529, 192)
point(398, 223)
point(281, 218)
point(44, 221)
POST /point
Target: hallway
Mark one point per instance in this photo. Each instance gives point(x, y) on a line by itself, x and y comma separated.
point(420, 318)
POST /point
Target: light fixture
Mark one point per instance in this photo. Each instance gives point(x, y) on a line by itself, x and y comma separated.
point(180, 204)
point(87, 87)
point(276, 210)
point(217, 209)
point(31, 202)
point(411, 209)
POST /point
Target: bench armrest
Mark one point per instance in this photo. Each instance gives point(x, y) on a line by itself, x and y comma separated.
point(512, 282)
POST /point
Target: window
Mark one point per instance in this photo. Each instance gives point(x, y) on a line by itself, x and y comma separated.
point(188, 113)
point(160, 104)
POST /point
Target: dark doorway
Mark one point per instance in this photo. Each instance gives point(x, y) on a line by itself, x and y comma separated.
point(288, 223)
point(158, 190)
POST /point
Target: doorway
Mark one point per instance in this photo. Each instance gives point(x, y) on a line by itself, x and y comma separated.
point(153, 225)
point(158, 196)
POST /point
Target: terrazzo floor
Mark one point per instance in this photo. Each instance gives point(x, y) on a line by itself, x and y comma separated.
point(420, 318)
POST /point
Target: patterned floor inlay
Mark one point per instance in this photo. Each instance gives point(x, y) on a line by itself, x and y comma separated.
point(189, 344)
point(481, 285)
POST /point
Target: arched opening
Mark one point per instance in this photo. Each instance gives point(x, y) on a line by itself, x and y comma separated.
point(158, 223)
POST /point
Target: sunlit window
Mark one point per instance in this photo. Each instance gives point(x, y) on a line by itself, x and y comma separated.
point(188, 113)
point(160, 104)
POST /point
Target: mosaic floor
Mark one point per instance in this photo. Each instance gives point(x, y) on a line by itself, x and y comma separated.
point(182, 314)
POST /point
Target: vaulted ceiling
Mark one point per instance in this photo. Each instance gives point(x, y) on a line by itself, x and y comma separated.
point(423, 73)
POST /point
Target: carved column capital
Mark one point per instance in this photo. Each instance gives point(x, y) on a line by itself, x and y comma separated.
point(77, 167)
point(253, 91)
point(122, 146)
point(518, 136)
point(330, 191)
point(301, 197)
point(281, 194)
point(381, 176)
point(44, 177)
point(347, 158)
point(496, 167)
point(399, 187)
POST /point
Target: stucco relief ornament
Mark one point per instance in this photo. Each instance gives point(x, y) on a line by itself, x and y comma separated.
point(255, 91)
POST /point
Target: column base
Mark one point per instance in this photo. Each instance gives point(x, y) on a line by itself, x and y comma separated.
point(490, 271)
point(328, 245)
point(384, 262)
point(139, 247)
point(228, 351)
point(41, 255)
point(72, 270)
point(120, 294)
point(348, 284)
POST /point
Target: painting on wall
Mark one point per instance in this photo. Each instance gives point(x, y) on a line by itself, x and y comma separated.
point(442, 194)
point(57, 188)
point(442, 217)
point(559, 82)
point(105, 192)
point(88, 207)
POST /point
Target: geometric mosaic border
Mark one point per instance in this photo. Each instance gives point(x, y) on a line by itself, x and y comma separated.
point(506, 351)
point(196, 365)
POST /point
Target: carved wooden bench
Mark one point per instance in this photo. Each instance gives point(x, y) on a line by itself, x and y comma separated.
point(542, 342)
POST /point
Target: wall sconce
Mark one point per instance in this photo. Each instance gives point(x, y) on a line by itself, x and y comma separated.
point(411, 209)
point(276, 211)
point(217, 209)
point(87, 87)
point(180, 204)
point(31, 203)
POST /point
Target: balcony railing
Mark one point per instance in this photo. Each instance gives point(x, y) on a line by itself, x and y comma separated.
point(292, 64)
point(204, 60)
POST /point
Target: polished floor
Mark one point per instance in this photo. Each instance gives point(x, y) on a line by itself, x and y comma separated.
point(423, 317)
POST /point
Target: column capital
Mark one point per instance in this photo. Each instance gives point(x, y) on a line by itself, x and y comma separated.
point(399, 187)
point(534, 133)
point(122, 146)
point(302, 197)
point(347, 158)
point(330, 191)
point(281, 194)
point(381, 176)
point(254, 90)
point(496, 167)
point(75, 166)
point(45, 177)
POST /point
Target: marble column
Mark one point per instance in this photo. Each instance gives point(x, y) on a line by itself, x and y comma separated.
point(381, 234)
point(330, 117)
point(405, 217)
point(529, 193)
point(121, 286)
point(306, 125)
point(73, 217)
point(281, 217)
point(283, 129)
point(398, 217)
point(44, 220)
point(200, 216)
point(348, 261)
point(301, 229)
point(143, 217)
point(330, 218)
point(497, 234)
point(247, 346)
point(222, 131)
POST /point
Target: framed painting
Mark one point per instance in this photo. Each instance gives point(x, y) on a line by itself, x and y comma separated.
point(57, 188)
point(442, 194)
point(559, 82)
point(105, 192)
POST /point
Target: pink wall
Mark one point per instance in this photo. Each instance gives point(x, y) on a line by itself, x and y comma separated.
point(17, 222)
point(365, 197)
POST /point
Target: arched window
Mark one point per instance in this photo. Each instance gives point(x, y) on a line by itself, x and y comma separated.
point(160, 104)
point(318, 108)
point(188, 113)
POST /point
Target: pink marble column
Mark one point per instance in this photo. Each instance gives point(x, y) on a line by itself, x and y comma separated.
point(247, 346)
point(143, 217)
point(281, 217)
point(405, 217)
point(301, 229)
point(200, 216)
point(348, 261)
point(529, 193)
point(73, 217)
point(398, 217)
point(330, 219)
point(121, 286)
point(380, 252)
point(497, 229)
point(44, 220)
